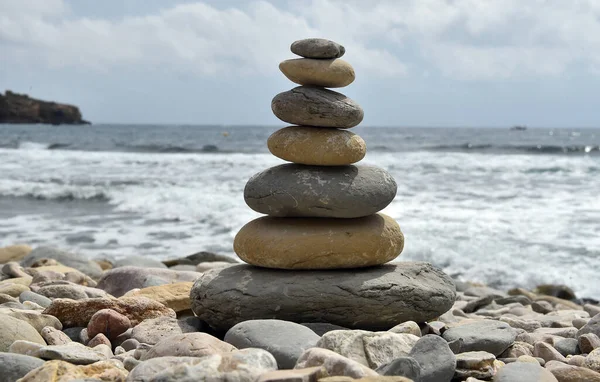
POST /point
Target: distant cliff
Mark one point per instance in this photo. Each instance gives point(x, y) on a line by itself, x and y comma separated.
point(20, 108)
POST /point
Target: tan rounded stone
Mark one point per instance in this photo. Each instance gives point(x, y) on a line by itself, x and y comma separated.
point(334, 73)
point(319, 243)
point(317, 146)
point(14, 253)
point(57, 371)
point(26, 281)
point(175, 296)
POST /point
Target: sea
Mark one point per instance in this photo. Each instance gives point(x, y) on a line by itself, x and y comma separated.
point(493, 205)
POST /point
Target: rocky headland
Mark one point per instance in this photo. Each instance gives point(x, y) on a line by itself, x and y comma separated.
point(20, 108)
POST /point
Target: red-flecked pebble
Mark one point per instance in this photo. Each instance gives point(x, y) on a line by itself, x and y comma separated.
point(109, 323)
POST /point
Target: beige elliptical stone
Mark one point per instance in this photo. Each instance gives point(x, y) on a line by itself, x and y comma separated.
point(319, 243)
point(334, 73)
point(317, 146)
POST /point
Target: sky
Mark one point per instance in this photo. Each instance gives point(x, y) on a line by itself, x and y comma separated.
point(418, 62)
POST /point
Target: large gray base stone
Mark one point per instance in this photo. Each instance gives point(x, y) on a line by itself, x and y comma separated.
point(376, 298)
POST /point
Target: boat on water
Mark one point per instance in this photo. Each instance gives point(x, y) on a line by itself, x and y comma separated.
point(519, 127)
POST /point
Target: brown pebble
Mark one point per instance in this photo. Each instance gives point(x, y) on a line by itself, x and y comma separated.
point(576, 360)
point(99, 339)
point(108, 322)
point(588, 342)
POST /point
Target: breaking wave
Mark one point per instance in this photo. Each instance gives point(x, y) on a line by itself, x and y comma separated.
point(517, 149)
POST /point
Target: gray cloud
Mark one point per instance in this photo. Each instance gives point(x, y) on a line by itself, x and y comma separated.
point(427, 58)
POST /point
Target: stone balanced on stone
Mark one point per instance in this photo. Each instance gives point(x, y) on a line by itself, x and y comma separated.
point(319, 254)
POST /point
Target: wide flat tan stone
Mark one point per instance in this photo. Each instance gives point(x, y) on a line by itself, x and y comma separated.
point(58, 371)
point(335, 73)
point(317, 146)
point(175, 296)
point(26, 281)
point(319, 243)
point(79, 312)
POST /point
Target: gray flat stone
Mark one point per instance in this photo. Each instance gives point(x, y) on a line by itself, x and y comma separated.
point(437, 361)
point(317, 48)
point(15, 366)
point(73, 352)
point(593, 326)
point(74, 333)
point(285, 340)
point(312, 106)
point(375, 298)
point(403, 367)
point(567, 346)
point(200, 257)
point(524, 372)
point(77, 261)
point(485, 335)
point(292, 190)
point(42, 301)
point(121, 280)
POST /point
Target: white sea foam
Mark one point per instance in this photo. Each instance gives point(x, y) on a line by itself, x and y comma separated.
point(26, 145)
point(502, 219)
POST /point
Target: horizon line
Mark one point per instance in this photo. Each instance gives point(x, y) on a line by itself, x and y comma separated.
point(279, 126)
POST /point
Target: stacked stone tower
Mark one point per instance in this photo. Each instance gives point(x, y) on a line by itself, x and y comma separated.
point(322, 210)
point(319, 254)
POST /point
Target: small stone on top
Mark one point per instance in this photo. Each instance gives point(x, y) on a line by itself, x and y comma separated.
point(317, 48)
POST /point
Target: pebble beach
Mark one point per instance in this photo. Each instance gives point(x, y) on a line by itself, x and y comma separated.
point(316, 291)
point(65, 319)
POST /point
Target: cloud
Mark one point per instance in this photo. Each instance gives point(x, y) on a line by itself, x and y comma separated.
point(459, 39)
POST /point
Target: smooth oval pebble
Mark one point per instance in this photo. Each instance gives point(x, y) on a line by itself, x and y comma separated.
point(312, 106)
point(293, 190)
point(317, 48)
point(319, 147)
point(335, 73)
point(318, 243)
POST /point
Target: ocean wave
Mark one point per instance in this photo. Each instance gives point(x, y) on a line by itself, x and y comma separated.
point(546, 170)
point(57, 146)
point(123, 147)
point(58, 195)
point(380, 148)
point(166, 148)
point(30, 145)
point(27, 145)
point(524, 149)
